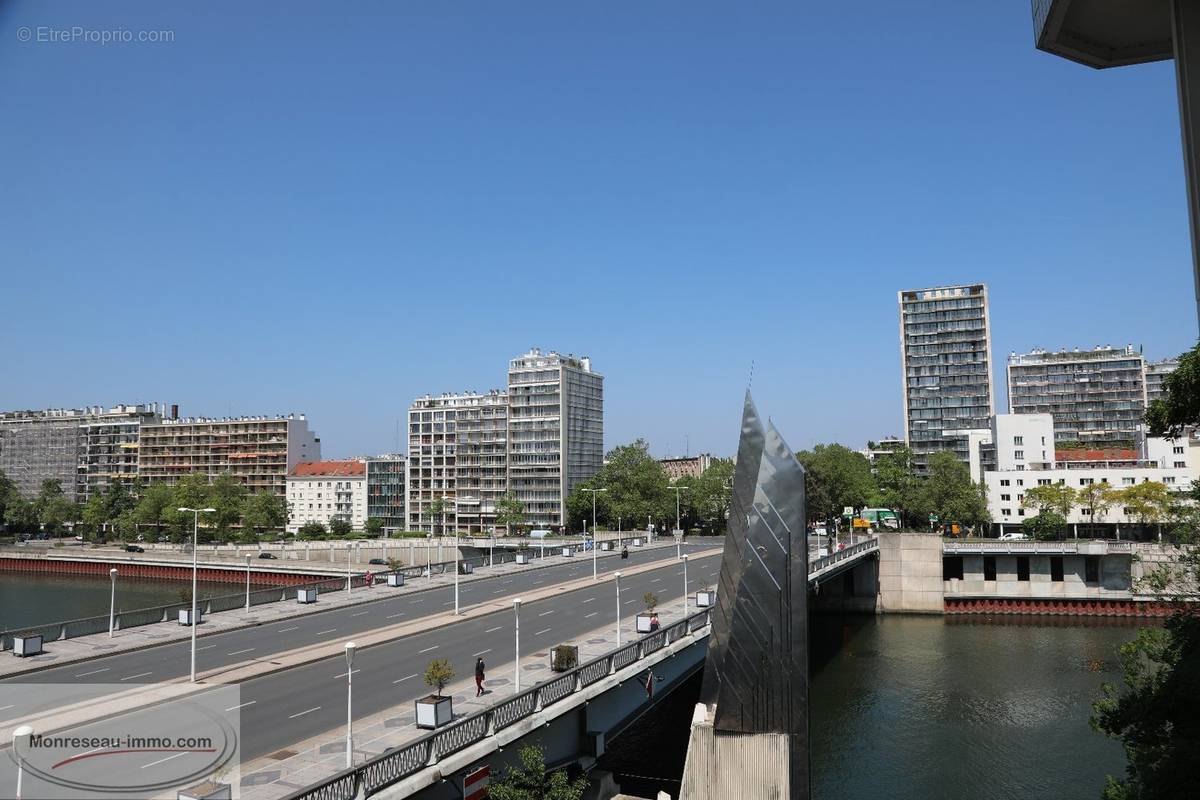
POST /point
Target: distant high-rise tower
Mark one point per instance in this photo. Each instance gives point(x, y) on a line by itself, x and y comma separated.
point(945, 355)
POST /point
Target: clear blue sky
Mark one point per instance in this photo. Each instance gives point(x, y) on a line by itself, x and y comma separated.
point(335, 208)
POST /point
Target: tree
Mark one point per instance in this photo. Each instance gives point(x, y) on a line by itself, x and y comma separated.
point(311, 530)
point(1180, 405)
point(1149, 502)
point(509, 512)
point(227, 495)
point(373, 527)
point(1097, 498)
point(154, 508)
point(103, 509)
point(20, 515)
point(191, 491)
point(899, 486)
point(436, 510)
point(264, 510)
point(529, 781)
point(54, 510)
point(836, 477)
point(340, 528)
point(7, 490)
point(438, 674)
point(949, 492)
point(712, 495)
point(637, 488)
point(1055, 499)
point(1045, 525)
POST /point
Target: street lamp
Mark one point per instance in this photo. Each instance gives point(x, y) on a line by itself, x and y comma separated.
point(685, 594)
point(23, 732)
point(349, 705)
point(112, 603)
point(456, 569)
point(247, 583)
point(349, 567)
point(195, 537)
point(618, 609)
point(677, 490)
point(618, 533)
point(517, 649)
point(594, 542)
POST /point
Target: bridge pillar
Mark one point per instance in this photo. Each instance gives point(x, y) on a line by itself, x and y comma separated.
point(910, 573)
point(855, 590)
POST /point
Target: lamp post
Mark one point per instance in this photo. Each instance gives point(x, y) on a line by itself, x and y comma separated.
point(677, 490)
point(112, 602)
point(429, 556)
point(23, 732)
point(618, 609)
point(456, 568)
point(594, 541)
point(685, 594)
point(349, 705)
point(618, 533)
point(517, 647)
point(195, 537)
point(349, 567)
point(247, 583)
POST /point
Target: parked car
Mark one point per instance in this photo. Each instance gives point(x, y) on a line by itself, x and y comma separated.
point(379, 561)
point(1012, 537)
point(133, 548)
point(265, 554)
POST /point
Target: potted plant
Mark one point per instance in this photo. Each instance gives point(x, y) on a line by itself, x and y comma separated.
point(647, 621)
point(637, 542)
point(434, 710)
point(465, 567)
point(306, 595)
point(706, 598)
point(567, 551)
point(606, 546)
point(185, 613)
point(395, 577)
point(522, 558)
point(564, 657)
point(27, 644)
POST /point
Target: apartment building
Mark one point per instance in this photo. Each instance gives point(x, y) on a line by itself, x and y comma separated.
point(688, 466)
point(1156, 371)
point(457, 451)
point(386, 493)
point(260, 451)
point(1097, 397)
point(555, 431)
point(945, 356)
point(324, 491)
point(85, 449)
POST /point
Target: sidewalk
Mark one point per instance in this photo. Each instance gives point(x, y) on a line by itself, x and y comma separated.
point(316, 759)
point(82, 648)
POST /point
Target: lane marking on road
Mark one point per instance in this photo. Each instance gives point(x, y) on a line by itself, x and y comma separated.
point(243, 705)
point(331, 630)
point(206, 647)
point(162, 760)
point(627, 602)
point(335, 677)
point(544, 613)
point(422, 600)
point(539, 633)
point(493, 630)
point(427, 649)
point(589, 600)
point(6, 708)
point(139, 675)
point(302, 713)
point(285, 630)
point(360, 613)
point(498, 591)
point(448, 603)
point(393, 616)
point(481, 652)
point(239, 652)
point(406, 677)
point(80, 675)
point(655, 580)
point(594, 613)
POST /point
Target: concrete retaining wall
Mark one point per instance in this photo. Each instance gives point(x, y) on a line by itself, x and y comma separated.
point(910, 573)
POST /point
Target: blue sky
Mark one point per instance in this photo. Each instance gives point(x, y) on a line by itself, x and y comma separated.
point(334, 208)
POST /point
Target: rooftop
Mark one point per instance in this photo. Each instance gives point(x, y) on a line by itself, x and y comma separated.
point(332, 469)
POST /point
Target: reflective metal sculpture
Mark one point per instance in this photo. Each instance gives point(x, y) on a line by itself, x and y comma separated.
point(756, 671)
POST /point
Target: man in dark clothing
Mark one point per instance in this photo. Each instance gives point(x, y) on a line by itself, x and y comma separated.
point(479, 676)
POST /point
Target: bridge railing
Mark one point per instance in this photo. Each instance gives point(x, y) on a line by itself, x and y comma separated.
point(1035, 547)
point(399, 763)
point(853, 551)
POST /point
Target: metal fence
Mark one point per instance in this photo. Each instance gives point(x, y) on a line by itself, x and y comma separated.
point(399, 763)
point(852, 551)
point(70, 629)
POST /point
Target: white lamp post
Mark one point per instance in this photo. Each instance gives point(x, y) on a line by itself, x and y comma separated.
point(677, 490)
point(685, 594)
point(23, 732)
point(595, 543)
point(429, 555)
point(618, 609)
point(195, 537)
point(456, 567)
point(247, 583)
point(618, 533)
point(517, 648)
point(112, 602)
point(349, 705)
point(349, 567)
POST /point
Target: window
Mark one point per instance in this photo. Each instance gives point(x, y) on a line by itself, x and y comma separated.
point(1020, 498)
point(1004, 482)
point(1023, 568)
point(1091, 569)
point(1018, 453)
point(1087, 512)
point(1018, 440)
point(952, 568)
point(1005, 512)
point(1020, 512)
point(1086, 481)
point(1056, 569)
point(1020, 467)
point(1177, 451)
point(1180, 464)
point(1128, 481)
point(1006, 497)
point(1020, 482)
point(1043, 481)
point(1170, 479)
point(989, 568)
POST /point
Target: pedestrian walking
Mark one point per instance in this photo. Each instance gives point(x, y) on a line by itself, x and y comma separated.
point(479, 666)
point(649, 683)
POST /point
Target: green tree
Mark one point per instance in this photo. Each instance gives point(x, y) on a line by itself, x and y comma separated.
point(311, 530)
point(1179, 406)
point(103, 509)
point(154, 509)
point(436, 511)
point(510, 512)
point(54, 509)
point(190, 491)
point(227, 495)
point(836, 477)
point(949, 492)
point(530, 781)
point(899, 485)
point(1149, 502)
point(373, 527)
point(438, 674)
point(1045, 525)
point(711, 496)
point(1053, 498)
point(20, 515)
point(339, 528)
point(1097, 498)
point(637, 488)
point(7, 490)
point(264, 510)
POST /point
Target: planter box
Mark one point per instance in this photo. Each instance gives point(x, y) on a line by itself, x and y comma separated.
point(209, 790)
point(606, 546)
point(185, 616)
point(465, 568)
point(566, 551)
point(522, 558)
point(706, 599)
point(27, 645)
point(395, 579)
point(647, 623)
point(637, 542)
point(564, 657)
point(306, 595)
point(434, 712)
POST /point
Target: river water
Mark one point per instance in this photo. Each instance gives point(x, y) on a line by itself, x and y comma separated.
point(32, 599)
point(924, 708)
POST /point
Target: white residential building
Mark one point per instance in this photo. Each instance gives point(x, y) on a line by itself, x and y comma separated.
point(323, 491)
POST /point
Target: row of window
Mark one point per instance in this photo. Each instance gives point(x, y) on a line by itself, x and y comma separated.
point(952, 568)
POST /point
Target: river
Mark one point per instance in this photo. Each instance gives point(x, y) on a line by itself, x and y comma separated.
point(924, 708)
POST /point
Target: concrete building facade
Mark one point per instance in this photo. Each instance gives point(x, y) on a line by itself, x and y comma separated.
point(259, 451)
point(945, 356)
point(324, 491)
point(1097, 397)
point(692, 466)
point(386, 493)
point(1156, 371)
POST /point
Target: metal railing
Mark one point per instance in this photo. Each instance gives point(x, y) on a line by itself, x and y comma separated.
point(399, 763)
point(853, 551)
point(1034, 547)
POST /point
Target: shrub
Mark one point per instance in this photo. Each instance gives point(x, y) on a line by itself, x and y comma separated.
point(438, 674)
